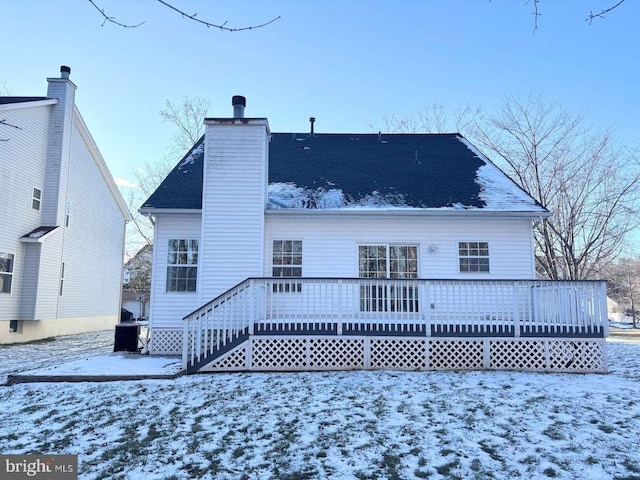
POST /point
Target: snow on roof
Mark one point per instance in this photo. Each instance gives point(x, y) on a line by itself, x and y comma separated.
point(497, 190)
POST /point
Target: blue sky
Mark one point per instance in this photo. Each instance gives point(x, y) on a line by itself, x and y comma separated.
point(348, 63)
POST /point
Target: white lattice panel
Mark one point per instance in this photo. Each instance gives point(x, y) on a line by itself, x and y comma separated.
point(234, 360)
point(402, 354)
point(283, 353)
point(517, 354)
point(165, 342)
point(455, 354)
point(577, 355)
point(336, 353)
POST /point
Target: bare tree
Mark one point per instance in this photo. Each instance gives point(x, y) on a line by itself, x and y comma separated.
point(188, 118)
point(431, 119)
point(190, 16)
point(591, 186)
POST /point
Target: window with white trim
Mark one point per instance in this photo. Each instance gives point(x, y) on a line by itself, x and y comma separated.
point(287, 262)
point(182, 265)
point(474, 256)
point(36, 199)
point(6, 272)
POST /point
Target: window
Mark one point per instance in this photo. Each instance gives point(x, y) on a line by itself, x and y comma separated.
point(37, 199)
point(388, 262)
point(61, 279)
point(474, 256)
point(15, 326)
point(287, 262)
point(182, 266)
point(6, 272)
point(68, 214)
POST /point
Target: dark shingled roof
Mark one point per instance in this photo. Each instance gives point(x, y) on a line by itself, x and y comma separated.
point(418, 170)
point(6, 100)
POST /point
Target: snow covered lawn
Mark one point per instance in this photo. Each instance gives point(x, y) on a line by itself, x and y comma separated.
point(339, 425)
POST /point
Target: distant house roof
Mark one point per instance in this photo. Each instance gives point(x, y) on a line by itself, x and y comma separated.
point(6, 100)
point(342, 171)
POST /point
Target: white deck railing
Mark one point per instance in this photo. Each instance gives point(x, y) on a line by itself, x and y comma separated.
point(356, 306)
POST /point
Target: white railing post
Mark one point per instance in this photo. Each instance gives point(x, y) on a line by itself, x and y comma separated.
point(516, 310)
point(340, 308)
point(604, 314)
point(252, 305)
point(185, 344)
point(425, 301)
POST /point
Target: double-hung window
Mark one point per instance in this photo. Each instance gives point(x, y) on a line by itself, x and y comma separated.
point(6, 272)
point(182, 265)
point(389, 262)
point(474, 256)
point(36, 199)
point(287, 262)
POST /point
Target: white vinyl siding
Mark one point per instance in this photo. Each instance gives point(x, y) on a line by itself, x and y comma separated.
point(232, 238)
point(331, 244)
point(23, 156)
point(168, 308)
point(93, 245)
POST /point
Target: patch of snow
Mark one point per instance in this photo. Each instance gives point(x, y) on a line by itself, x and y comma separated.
point(497, 190)
point(38, 233)
point(190, 159)
point(289, 195)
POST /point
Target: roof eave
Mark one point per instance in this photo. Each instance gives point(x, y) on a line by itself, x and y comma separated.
point(158, 210)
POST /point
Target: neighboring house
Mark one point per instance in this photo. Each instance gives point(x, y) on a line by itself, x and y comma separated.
point(63, 221)
point(135, 289)
point(289, 251)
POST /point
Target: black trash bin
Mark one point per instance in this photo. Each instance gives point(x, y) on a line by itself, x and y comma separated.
point(126, 338)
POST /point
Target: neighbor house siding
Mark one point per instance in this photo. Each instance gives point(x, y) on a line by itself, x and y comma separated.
point(93, 241)
point(168, 308)
point(330, 245)
point(233, 205)
point(22, 158)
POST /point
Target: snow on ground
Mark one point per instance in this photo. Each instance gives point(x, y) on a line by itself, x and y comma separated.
point(339, 425)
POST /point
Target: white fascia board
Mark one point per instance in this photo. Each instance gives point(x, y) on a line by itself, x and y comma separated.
point(102, 166)
point(159, 211)
point(35, 103)
point(414, 212)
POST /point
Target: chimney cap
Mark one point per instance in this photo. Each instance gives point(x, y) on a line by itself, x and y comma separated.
point(238, 100)
point(64, 71)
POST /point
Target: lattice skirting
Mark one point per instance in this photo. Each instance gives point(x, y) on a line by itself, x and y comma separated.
point(294, 353)
point(165, 342)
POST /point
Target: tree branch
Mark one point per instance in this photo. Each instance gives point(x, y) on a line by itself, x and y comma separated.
point(602, 12)
point(112, 19)
point(220, 26)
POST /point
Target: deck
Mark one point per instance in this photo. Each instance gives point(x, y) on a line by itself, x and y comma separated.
point(338, 323)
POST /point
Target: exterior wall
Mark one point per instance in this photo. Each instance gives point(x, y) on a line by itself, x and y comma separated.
point(233, 204)
point(36, 330)
point(23, 167)
point(330, 245)
point(93, 242)
point(168, 308)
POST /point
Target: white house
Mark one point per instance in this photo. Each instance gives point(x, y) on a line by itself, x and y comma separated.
point(63, 220)
point(289, 251)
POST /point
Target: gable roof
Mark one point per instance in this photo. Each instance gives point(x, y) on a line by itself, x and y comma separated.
point(342, 171)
